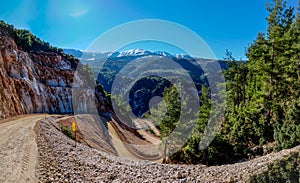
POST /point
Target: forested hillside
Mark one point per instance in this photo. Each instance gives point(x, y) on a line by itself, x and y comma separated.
point(262, 98)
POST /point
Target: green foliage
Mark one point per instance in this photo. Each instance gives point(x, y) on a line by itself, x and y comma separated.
point(170, 120)
point(68, 132)
point(144, 90)
point(6, 29)
point(262, 93)
point(26, 41)
point(287, 135)
point(218, 152)
point(286, 170)
point(166, 116)
point(262, 97)
point(122, 109)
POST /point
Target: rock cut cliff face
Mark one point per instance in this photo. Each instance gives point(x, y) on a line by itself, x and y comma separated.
point(35, 82)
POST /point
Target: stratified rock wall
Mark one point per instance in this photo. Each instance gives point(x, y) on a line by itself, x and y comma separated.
point(35, 82)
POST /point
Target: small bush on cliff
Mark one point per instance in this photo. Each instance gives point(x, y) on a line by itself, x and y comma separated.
point(68, 132)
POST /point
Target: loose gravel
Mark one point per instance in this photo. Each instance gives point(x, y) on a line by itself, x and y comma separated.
point(60, 161)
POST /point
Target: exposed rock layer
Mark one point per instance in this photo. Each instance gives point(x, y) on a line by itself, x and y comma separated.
point(37, 82)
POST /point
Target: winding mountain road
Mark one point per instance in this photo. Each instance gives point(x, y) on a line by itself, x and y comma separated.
point(118, 143)
point(18, 149)
point(147, 151)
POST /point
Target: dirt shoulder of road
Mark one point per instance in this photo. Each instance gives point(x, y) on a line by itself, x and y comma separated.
point(18, 152)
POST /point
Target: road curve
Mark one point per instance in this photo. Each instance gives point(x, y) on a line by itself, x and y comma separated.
point(118, 144)
point(18, 149)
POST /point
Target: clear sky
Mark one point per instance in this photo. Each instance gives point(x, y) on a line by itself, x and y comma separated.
point(231, 24)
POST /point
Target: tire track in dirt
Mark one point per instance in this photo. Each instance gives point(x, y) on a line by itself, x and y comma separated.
point(18, 152)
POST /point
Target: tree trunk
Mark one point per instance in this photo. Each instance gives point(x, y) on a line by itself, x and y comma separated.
point(165, 152)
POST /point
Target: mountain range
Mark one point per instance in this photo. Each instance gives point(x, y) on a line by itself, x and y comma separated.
point(128, 53)
point(130, 64)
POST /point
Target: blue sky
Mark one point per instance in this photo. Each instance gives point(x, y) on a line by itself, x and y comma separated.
point(231, 24)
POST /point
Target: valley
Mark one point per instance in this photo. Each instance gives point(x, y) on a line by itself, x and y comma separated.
point(68, 115)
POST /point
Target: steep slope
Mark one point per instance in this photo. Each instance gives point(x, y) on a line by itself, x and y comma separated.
point(91, 131)
point(33, 82)
point(36, 77)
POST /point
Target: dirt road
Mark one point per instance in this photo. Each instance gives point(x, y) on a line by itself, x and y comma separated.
point(145, 124)
point(18, 149)
point(118, 144)
point(147, 151)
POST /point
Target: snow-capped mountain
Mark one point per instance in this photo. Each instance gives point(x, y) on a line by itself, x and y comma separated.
point(134, 52)
point(128, 53)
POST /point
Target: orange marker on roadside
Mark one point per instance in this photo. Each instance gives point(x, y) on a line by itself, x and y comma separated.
point(74, 130)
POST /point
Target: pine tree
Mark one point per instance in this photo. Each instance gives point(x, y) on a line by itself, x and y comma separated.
point(166, 116)
point(287, 135)
point(266, 88)
point(270, 82)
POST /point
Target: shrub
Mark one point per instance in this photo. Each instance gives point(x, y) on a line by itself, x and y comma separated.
point(287, 135)
point(286, 170)
point(68, 132)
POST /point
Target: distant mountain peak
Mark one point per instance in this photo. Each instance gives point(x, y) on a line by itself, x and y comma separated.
point(128, 53)
point(134, 52)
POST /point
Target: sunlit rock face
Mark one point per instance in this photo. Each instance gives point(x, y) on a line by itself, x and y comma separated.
point(37, 82)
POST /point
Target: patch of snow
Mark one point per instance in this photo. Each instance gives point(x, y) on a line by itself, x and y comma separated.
point(182, 56)
point(91, 59)
point(134, 52)
point(163, 53)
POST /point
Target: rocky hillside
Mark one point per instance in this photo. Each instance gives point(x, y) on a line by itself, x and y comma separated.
point(33, 82)
point(34, 79)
